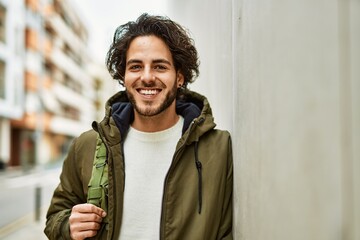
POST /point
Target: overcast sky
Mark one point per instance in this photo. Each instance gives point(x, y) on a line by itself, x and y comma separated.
point(104, 16)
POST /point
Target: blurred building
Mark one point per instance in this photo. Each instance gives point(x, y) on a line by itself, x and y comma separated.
point(47, 94)
point(12, 62)
point(105, 87)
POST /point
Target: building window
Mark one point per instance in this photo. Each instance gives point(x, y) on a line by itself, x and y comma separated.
point(69, 52)
point(2, 23)
point(73, 85)
point(2, 79)
point(70, 112)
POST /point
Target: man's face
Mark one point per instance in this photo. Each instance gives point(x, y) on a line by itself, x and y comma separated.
point(150, 79)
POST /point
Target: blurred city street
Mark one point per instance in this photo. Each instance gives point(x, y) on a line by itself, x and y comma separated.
point(24, 199)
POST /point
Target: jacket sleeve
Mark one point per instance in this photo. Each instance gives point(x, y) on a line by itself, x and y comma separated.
point(225, 230)
point(67, 194)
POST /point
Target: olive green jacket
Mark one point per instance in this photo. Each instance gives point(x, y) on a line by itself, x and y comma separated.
point(197, 198)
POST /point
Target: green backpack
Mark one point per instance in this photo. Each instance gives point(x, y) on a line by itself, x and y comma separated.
point(99, 181)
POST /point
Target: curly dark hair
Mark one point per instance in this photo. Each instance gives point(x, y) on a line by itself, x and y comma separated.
point(181, 46)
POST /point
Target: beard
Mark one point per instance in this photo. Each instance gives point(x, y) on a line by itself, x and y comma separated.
point(149, 110)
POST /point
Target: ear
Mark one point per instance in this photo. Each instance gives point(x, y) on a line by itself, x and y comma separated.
point(180, 79)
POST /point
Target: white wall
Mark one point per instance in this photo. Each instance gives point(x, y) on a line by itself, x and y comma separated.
point(284, 78)
point(210, 25)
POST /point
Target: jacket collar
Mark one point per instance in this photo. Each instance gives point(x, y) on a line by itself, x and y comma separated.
point(190, 106)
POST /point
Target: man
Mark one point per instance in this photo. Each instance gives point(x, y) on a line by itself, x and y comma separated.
point(169, 169)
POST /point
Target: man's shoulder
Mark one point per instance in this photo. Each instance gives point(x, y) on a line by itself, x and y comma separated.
point(220, 133)
point(86, 140)
point(88, 135)
point(216, 138)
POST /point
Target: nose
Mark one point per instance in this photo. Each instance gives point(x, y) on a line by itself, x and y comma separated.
point(147, 75)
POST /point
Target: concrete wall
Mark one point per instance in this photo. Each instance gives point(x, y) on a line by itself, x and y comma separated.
point(284, 78)
point(210, 25)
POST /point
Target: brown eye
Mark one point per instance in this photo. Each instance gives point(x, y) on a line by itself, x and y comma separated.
point(160, 67)
point(135, 67)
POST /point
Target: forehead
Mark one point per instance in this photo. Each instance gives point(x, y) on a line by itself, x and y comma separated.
point(148, 47)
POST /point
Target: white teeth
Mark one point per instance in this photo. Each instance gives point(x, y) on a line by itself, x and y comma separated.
point(148, 91)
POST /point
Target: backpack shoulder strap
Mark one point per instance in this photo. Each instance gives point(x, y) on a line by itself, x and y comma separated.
point(98, 184)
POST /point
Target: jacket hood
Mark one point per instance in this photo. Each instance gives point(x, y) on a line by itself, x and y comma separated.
point(192, 106)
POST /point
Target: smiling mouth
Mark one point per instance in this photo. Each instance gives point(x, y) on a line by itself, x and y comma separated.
point(148, 92)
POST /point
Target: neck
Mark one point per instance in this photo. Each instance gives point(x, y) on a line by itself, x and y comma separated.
point(159, 122)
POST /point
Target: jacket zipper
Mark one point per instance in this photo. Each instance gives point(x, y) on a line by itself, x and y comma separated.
point(168, 173)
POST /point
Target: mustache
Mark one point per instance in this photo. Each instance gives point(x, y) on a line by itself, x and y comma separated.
point(150, 84)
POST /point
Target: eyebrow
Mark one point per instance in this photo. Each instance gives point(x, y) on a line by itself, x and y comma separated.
point(160, 60)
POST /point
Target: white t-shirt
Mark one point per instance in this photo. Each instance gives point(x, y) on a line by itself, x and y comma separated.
point(147, 160)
